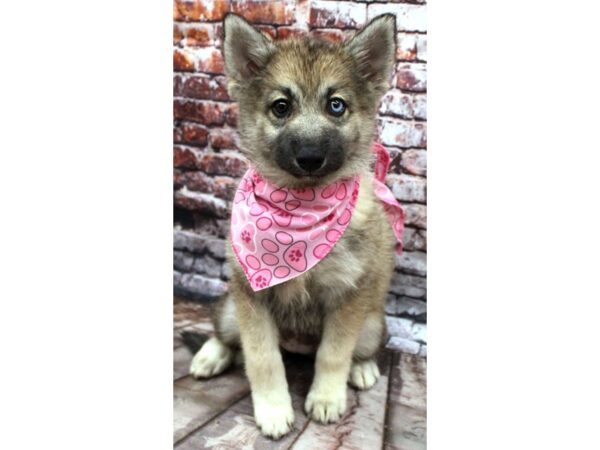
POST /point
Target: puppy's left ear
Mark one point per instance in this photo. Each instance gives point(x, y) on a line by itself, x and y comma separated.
point(246, 50)
point(374, 49)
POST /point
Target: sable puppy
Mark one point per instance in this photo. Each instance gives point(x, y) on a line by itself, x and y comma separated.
point(307, 110)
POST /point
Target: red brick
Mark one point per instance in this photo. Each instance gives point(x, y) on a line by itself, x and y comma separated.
point(271, 31)
point(200, 202)
point(205, 112)
point(329, 35)
point(210, 60)
point(415, 215)
point(223, 138)
point(218, 35)
point(288, 32)
point(395, 160)
point(220, 186)
point(184, 158)
point(408, 188)
point(194, 134)
point(420, 106)
point(205, 87)
point(409, 17)
point(415, 162)
point(177, 35)
point(179, 178)
point(325, 14)
point(406, 49)
point(422, 47)
point(274, 12)
point(231, 164)
point(177, 85)
point(197, 86)
point(411, 77)
point(200, 10)
point(200, 35)
point(397, 103)
point(183, 61)
point(187, 110)
point(177, 135)
point(231, 115)
point(402, 133)
point(414, 263)
point(414, 239)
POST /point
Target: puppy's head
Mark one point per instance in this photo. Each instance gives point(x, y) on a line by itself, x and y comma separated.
point(307, 106)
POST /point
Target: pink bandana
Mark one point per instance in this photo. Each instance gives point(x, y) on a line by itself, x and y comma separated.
point(278, 234)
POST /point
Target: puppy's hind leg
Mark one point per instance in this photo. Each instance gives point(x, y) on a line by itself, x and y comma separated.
point(212, 359)
point(219, 351)
point(364, 372)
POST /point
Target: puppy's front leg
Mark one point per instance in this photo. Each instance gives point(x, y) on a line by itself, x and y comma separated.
point(326, 400)
point(264, 367)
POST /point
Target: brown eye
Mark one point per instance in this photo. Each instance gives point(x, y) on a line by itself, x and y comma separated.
point(281, 108)
point(336, 107)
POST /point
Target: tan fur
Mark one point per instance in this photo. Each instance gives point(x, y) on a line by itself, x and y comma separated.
point(338, 306)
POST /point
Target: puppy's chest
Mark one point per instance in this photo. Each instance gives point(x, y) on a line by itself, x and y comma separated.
point(300, 304)
point(306, 297)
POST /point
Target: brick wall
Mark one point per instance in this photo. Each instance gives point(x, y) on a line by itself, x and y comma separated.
point(208, 164)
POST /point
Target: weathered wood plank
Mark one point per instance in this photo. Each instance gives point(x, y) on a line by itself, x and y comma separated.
point(217, 413)
point(182, 357)
point(362, 425)
point(235, 428)
point(186, 313)
point(187, 316)
point(196, 402)
point(177, 341)
point(406, 425)
point(205, 328)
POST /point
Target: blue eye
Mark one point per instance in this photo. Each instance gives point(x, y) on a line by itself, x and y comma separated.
point(336, 107)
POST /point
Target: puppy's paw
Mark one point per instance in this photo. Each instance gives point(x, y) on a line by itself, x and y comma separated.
point(364, 374)
point(274, 418)
point(212, 359)
point(326, 406)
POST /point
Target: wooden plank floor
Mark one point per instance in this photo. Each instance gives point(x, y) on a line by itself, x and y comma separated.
point(217, 413)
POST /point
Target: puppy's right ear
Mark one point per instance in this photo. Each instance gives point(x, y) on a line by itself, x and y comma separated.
point(246, 50)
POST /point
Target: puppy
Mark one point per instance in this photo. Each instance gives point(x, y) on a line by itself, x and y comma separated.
point(306, 120)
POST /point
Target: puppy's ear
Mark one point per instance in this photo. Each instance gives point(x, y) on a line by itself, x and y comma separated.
point(245, 50)
point(374, 48)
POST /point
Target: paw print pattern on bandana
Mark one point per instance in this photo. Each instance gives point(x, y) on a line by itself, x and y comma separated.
point(295, 256)
point(278, 233)
point(261, 279)
point(246, 236)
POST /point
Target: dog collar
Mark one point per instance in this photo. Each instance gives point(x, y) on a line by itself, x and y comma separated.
point(278, 234)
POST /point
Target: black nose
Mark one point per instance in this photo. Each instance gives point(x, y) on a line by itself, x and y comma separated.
point(310, 159)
